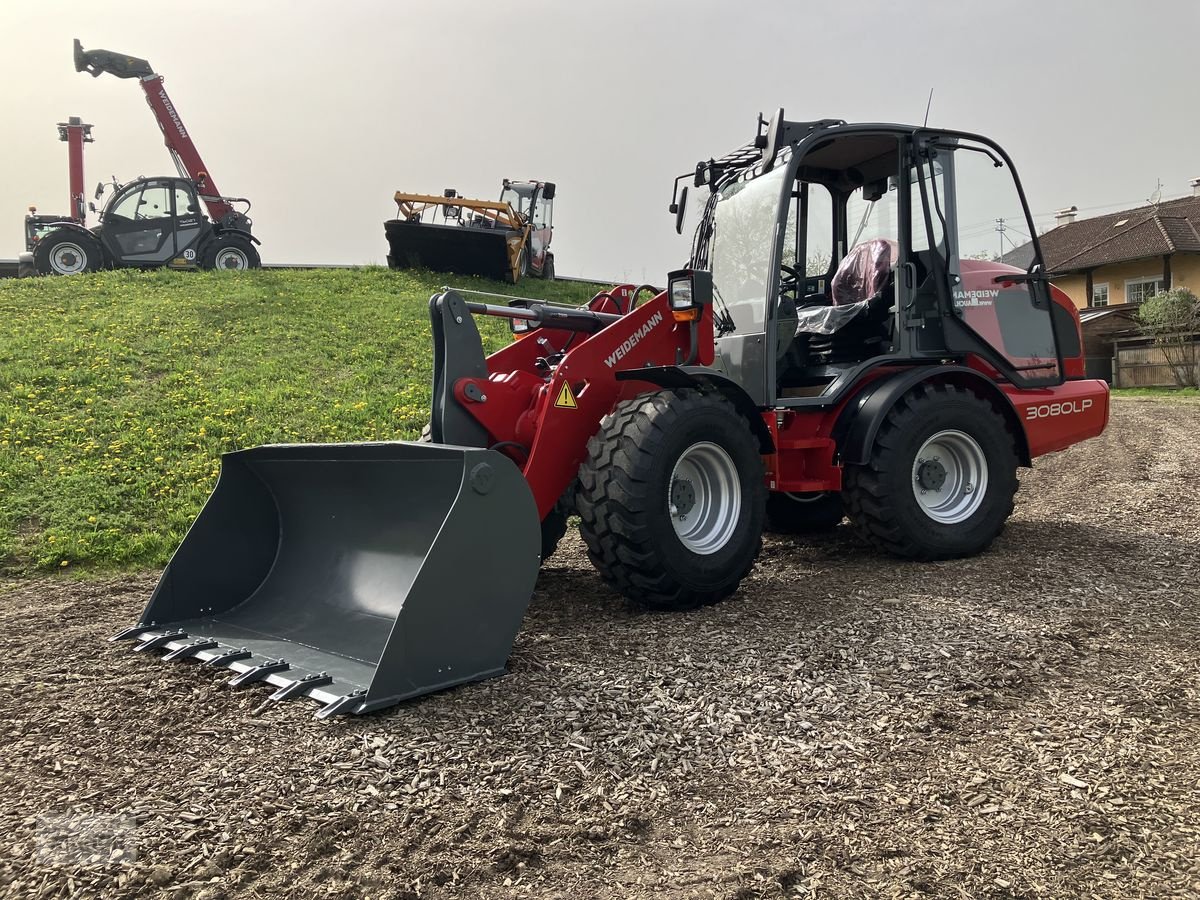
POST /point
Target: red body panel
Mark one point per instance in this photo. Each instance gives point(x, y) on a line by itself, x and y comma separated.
point(1055, 418)
point(181, 146)
point(521, 406)
point(78, 205)
point(525, 408)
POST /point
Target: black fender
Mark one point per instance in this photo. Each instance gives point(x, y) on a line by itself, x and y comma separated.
point(67, 225)
point(860, 420)
point(710, 379)
point(219, 231)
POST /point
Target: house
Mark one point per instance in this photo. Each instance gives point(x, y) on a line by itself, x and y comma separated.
point(1101, 329)
point(1124, 257)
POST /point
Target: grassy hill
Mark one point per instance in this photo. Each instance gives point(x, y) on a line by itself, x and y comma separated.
point(119, 392)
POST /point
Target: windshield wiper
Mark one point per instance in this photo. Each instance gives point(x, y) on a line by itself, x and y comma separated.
point(722, 319)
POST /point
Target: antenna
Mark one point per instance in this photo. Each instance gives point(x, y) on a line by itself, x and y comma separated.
point(928, 104)
point(1156, 198)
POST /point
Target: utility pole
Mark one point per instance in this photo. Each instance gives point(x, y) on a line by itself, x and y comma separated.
point(1000, 231)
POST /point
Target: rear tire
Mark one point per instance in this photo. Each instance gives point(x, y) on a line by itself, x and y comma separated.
point(671, 499)
point(230, 252)
point(67, 252)
point(941, 476)
point(548, 267)
point(803, 513)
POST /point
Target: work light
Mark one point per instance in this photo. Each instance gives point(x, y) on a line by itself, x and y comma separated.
point(688, 290)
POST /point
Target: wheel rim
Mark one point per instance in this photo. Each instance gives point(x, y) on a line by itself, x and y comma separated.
point(950, 476)
point(704, 499)
point(68, 258)
point(232, 258)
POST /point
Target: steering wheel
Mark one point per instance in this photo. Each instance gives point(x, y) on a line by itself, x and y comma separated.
point(791, 279)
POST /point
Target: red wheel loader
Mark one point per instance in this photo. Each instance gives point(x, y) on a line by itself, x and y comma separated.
point(831, 350)
point(149, 222)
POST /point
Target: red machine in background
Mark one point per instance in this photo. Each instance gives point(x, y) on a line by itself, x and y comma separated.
point(75, 133)
point(149, 222)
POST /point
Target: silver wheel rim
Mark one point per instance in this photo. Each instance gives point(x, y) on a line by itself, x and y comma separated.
point(232, 258)
point(68, 258)
point(704, 498)
point(950, 477)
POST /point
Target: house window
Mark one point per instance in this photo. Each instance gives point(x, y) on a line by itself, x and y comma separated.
point(1100, 294)
point(1142, 289)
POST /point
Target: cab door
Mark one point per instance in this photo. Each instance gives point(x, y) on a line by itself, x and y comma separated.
point(988, 266)
point(139, 224)
point(541, 226)
point(190, 224)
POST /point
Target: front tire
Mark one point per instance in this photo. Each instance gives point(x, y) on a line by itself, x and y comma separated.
point(548, 267)
point(230, 252)
point(940, 480)
point(671, 499)
point(67, 253)
point(522, 268)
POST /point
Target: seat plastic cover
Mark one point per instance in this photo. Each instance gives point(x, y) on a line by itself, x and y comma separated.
point(864, 272)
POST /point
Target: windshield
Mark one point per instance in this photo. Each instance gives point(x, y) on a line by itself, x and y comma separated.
point(515, 199)
point(741, 246)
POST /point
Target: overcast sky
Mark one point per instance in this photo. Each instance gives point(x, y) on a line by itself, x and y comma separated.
point(320, 111)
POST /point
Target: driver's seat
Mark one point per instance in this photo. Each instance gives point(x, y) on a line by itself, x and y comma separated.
point(864, 271)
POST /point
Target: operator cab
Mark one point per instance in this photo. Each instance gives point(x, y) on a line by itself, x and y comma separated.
point(840, 248)
point(153, 221)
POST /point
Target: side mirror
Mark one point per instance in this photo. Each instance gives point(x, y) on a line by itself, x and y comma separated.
point(99, 190)
point(680, 209)
point(92, 207)
point(548, 190)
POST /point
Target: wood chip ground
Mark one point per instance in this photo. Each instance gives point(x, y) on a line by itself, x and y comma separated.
point(1022, 724)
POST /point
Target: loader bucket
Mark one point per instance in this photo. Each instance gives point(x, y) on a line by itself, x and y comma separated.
point(357, 575)
point(462, 249)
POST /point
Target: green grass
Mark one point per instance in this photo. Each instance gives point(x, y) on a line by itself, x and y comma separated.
point(121, 390)
point(1159, 393)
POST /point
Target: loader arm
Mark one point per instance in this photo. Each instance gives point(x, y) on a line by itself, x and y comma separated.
point(543, 418)
point(175, 135)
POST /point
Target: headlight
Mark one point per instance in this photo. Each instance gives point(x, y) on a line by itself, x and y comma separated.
point(681, 293)
point(688, 290)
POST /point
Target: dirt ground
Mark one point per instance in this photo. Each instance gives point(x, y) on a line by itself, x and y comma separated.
point(1022, 724)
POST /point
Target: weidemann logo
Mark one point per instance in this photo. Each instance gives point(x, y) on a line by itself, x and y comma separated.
point(632, 341)
point(162, 94)
point(975, 298)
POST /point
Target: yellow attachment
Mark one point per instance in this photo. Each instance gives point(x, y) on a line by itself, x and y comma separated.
point(411, 206)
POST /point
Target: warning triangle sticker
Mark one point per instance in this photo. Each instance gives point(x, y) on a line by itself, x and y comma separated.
point(566, 400)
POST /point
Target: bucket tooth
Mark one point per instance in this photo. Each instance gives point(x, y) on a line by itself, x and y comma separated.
point(228, 658)
point(342, 705)
point(160, 641)
point(300, 685)
point(133, 631)
point(189, 650)
point(347, 560)
point(258, 673)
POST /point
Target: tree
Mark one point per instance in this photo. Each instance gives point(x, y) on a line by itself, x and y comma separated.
point(1172, 318)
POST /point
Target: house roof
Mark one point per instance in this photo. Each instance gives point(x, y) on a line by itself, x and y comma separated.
point(1172, 226)
point(1094, 313)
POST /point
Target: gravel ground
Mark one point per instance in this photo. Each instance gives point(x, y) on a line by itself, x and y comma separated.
point(1022, 724)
